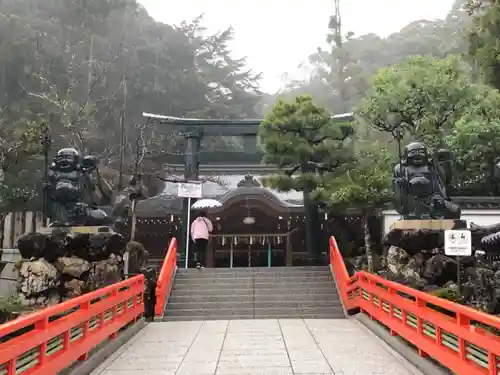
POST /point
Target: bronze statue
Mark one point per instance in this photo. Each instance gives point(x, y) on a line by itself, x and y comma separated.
point(71, 190)
point(420, 184)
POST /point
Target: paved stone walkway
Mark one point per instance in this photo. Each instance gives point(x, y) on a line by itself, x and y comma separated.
point(256, 347)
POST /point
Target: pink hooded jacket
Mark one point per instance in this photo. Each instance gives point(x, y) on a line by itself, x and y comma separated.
point(201, 228)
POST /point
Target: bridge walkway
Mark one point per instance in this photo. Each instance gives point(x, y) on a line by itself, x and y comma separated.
point(75, 336)
point(256, 347)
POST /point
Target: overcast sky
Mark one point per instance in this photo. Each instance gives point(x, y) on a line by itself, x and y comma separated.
point(278, 35)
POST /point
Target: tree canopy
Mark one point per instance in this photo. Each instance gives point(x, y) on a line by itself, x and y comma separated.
point(483, 39)
point(305, 143)
point(363, 55)
point(425, 95)
point(84, 67)
point(366, 186)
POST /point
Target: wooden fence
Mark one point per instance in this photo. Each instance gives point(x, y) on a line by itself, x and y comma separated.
point(16, 224)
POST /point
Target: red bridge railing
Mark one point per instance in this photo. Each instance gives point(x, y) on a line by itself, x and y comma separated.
point(50, 340)
point(165, 278)
point(462, 339)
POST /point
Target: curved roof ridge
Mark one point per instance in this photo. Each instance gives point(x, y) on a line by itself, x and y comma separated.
point(255, 190)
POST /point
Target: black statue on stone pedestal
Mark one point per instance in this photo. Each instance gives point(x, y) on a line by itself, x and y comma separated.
point(420, 184)
point(71, 191)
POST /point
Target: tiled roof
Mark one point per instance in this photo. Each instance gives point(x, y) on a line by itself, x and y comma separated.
point(168, 202)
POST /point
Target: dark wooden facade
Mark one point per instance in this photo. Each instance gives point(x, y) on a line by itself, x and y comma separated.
point(276, 236)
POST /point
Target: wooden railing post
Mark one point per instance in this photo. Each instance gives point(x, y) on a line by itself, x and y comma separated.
point(42, 326)
point(164, 280)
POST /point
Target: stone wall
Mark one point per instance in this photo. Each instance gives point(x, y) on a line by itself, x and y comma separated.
point(61, 264)
point(8, 272)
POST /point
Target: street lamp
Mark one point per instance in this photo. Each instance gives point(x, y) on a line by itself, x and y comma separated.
point(397, 132)
point(46, 141)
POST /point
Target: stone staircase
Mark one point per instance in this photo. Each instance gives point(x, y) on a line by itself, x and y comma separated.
point(254, 293)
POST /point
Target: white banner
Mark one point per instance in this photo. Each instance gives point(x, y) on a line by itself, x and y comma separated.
point(189, 190)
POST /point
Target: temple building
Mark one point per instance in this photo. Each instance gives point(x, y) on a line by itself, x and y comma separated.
point(255, 227)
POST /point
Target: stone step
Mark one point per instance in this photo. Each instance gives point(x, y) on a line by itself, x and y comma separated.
point(333, 311)
point(207, 317)
point(257, 269)
point(257, 292)
point(200, 298)
point(246, 272)
point(249, 305)
point(337, 315)
point(247, 317)
point(238, 285)
point(250, 293)
point(243, 280)
point(255, 285)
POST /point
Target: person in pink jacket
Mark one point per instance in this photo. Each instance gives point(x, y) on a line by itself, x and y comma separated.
point(200, 233)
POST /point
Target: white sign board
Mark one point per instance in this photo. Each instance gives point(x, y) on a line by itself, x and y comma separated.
point(189, 190)
point(457, 243)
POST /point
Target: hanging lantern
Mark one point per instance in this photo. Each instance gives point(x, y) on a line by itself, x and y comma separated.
point(249, 220)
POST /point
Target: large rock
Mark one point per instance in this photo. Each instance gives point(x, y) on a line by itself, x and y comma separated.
point(138, 257)
point(74, 288)
point(416, 258)
point(104, 272)
point(31, 245)
point(62, 242)
point(64, 264)
point(72, 266)
point(403, 268)
point(415, 240)
point(397, 258)
point(440, 269)
point(36, 277)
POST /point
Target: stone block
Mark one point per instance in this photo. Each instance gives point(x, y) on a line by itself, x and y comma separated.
point(429, 224)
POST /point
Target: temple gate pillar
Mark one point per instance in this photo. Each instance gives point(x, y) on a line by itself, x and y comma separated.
point(191, 173)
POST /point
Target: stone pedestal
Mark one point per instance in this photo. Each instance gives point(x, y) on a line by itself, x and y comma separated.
point(420, 235)
point(431, 224)
point(87, 229)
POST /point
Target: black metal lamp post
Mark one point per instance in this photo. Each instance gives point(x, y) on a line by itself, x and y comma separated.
point(398, 134)
point(46, 141)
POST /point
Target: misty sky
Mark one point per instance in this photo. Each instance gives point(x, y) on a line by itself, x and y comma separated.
point(278, 35)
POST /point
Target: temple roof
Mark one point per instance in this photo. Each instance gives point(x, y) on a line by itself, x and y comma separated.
point(227, 187)
point(223, 188)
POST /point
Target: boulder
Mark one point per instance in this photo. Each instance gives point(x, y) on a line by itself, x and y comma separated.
point(31, 245)
point(138, 257)
point(36, 277)
point(415, 240)
point(62, 242)
point(74, 288)
point(72, 266)
point(397, 258)
point(415, 257)
point(64, 264)
point(440, 269)
point(104, 273)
